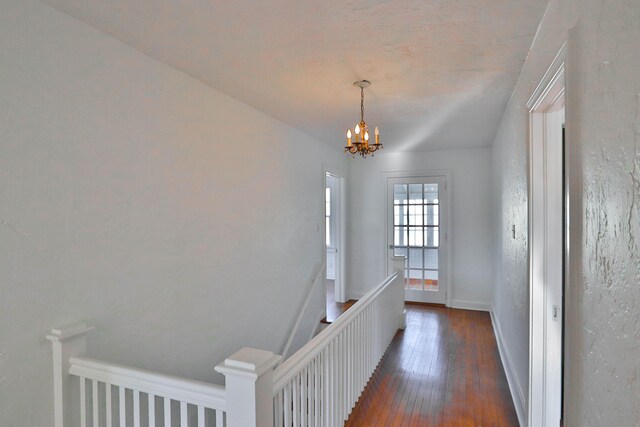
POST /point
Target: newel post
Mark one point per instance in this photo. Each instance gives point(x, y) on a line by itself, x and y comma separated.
point(249, 387)
point(66, 342)
point(398, 265)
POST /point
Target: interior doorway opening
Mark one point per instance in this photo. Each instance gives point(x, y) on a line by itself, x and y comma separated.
point(334, 238)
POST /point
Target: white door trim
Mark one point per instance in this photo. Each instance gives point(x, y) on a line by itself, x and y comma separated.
point(341, 264)
point(385, 176)
point(545, 246)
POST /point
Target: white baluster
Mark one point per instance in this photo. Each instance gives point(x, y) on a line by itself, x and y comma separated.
point(83, 402)
point(151, 404)
point(219, 418)
point(342, 376)
point(325, 381)
point(331, 404)
point(184, 418)
point(359, 370)
point(303, 397)
point(136, 408)
point(94, 404)
point(295, 394)
point(316, 392)
point(200, 416)
point(122, 406)
point(310, 390)
point(167, 412)
point(349, 375)
point(287, 405)
point(109, 409)
point(338, 378)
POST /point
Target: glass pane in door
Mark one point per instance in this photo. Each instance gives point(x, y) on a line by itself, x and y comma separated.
point(416, 233)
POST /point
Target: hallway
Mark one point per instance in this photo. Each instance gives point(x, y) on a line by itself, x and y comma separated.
point(443, 370)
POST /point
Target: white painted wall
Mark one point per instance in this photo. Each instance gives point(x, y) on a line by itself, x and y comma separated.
point(470, 192)
point(144, 202)
point(603, 132)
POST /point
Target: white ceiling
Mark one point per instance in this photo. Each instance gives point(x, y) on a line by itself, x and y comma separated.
point(442, 70)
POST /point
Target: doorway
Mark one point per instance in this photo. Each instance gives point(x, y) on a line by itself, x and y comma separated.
point(334, 237)
point(548, 228)
point(417, 228)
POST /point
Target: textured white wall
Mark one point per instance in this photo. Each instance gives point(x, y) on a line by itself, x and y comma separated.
point(470, 213)
point(144, 202)
point(603, 130)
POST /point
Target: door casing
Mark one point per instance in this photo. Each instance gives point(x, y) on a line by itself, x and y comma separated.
point(445, 230)
point(341, 199)
point(547, 247)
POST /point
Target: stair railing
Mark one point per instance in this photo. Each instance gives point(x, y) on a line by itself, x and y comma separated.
point(320, 384)
point(317, 386)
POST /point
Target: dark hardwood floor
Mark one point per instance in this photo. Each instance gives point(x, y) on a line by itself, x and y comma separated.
point(443, 370)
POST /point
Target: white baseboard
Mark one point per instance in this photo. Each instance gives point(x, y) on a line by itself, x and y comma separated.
point(470, 305)
point(512, 379)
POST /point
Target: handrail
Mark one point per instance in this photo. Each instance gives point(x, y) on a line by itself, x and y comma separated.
point(186, 390)
point(290, 367)
point(296, 325)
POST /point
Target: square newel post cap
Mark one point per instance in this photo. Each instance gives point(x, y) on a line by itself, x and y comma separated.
point(398, 261)
point(69, 332)
point(249, 362)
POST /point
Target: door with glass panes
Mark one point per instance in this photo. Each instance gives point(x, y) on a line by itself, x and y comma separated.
point(417, 230)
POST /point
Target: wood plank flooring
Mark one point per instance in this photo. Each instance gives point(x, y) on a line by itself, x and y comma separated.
point(443, 370)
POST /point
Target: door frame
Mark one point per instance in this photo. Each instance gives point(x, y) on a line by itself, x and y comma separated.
point(446, 173)
point(546, 352)
point(340, 292)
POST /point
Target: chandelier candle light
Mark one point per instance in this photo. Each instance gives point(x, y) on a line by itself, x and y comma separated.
point(361, 131)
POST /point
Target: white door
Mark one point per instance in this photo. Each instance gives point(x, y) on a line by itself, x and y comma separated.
point(416, 229)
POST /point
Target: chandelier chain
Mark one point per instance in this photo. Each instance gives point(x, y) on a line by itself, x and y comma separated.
point(361, 105)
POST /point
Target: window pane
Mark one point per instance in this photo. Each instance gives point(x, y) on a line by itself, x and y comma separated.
point(415, 258)
point(431, 258)
point(431, 216)
point(430, 280)
point(415, 236)
point(400, 215)
point(432, 237)
point(400, 236)
point(414, 279)
point(415, 214)
point(399, 194)
point(415, 193)
point(431, 193)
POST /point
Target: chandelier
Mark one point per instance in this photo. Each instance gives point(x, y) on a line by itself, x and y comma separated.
point(361, 131)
